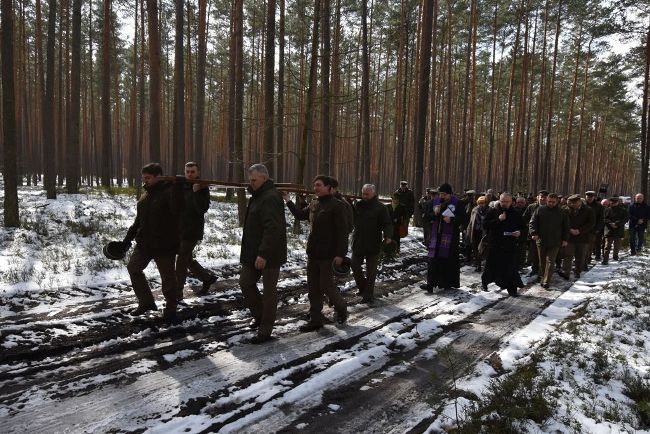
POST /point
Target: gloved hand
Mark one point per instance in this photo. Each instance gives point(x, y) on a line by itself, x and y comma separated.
point(126, 245)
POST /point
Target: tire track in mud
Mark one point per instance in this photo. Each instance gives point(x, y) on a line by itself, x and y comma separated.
point(100, 349)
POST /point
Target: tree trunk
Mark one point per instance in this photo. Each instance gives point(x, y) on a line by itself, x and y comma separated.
point(511, 86)
point(307, 133)
point(546, 167)
point(9, 169)
point(493, 108)
point(154, 81)
point(645, 130)
point(424, 70)
point(577, 183)
point(178, 151)
point(365, 91)
point(326, 156)
point(269, 68)
point(568, 140)
point(72, 157)
point(280, 147)
point(49, 146)
point(200, 83)
point(106, 172)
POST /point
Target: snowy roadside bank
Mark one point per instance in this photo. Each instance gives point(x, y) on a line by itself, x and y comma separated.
point(587, 355)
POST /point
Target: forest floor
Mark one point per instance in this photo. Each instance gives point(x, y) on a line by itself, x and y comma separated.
point(575, 358)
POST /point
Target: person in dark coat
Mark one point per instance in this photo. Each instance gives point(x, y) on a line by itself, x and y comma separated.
point(475, 231)
point(399, 217)
point(197, 203)
point(371, 220)
point(504, 226)
point(581, 225)
point(533, 258)
point(597, 234)
point(348, 206)
point(615, 217)
point(327, 243)
point(639, 214)
point(520, 205)
point(263, 250)
point(156, 232)
point(425, 205)
point(406, 197)
point(444, 265)
point(549, 227)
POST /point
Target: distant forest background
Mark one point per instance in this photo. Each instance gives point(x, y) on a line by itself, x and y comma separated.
point(514, 95)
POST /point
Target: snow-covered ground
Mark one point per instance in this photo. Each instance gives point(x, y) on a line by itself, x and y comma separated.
point(72, 360)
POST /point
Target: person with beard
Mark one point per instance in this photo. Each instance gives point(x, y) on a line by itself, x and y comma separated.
point(197, 203)
point(443, 263)
point(327, 244)
point(371, 219)
point(156, 231)
point(504, 226)
point(549, 228)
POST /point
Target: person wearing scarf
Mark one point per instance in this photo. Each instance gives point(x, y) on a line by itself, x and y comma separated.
point(443, 263)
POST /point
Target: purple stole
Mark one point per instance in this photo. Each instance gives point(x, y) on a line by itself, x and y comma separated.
point(442, 233)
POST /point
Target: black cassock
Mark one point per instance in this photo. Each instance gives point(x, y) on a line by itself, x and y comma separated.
point(501, 261)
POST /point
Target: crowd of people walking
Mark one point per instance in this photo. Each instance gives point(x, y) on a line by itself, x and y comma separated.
point(499, 235)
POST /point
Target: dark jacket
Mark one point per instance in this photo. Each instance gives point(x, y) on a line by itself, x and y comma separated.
point(329, 233)
point(551, 225)
point(407, 198)
point(615, 216)
point(582, 219)
point(265, 228)
point(371, 218)
point(599, 215)
point(197, 204)
point(528, 215)
point(156, 228)
point(349, 211)
point(639, 211)
point(398, 217)
point(499, 232)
